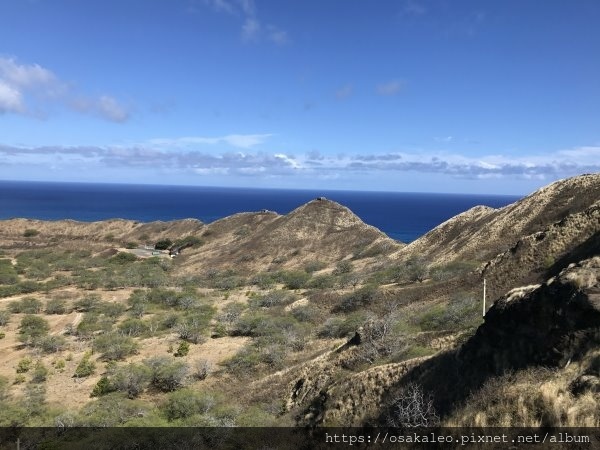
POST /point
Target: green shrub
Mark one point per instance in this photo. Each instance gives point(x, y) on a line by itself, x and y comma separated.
point(114, 346)
point(103, 386)
point(4, 317)
point(167, 375)
point(112, 309)
point(343, 267)
point(27, 305)
point(30, 232)
point(40, 373)
point(19, 379)
point(296, 279)
point(2, 334)
point(123, 258)
point(52, 344)
point(183, 349)
point(90, 302)
point(314, 266)
point(358, 299)
point(133, 327)
point(32, 329)
point(271, 299)
point(186, 403)
point(55, 306)
point(163, 244)
point(322, 282)
point(243, 363)
point(8, 274)
point(132, 379)
point(85, 368)
point(60, 365)
point(24, 365)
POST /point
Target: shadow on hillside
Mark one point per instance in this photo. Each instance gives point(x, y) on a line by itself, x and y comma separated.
point(590, 247)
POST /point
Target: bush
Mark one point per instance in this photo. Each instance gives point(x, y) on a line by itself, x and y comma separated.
point(32, 329)
point(4, 317)
point(202, 368)
point(40, 373)
point(296, 279)
point(88, 303)
point(132, 379)
point(85, 368)
point(343, 267)
point(55, 306)
point(322, 282)
point(167, 375)
point(27, 305)
point(413, 409)
point(133, 327)
point(271, 299)
point(358, 299)
point(30, 232)
point(243, 363)
point(112, 309)
point(338, 327)
point(183, 349)
point(103, 386)
point(193, 325)
point(163, 244)
point(114, 346)
point(186, 403)
point(52, 344)
point(314, 266)
point(24, 365)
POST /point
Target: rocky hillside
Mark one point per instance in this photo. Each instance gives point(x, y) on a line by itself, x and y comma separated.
point(320, 230)
point(481, 233)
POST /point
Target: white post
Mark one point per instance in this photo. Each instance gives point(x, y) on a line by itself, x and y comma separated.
point(484, 297)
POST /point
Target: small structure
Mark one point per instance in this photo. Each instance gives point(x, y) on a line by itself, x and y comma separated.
point(321, 199)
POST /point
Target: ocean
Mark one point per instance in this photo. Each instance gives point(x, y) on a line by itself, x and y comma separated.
point(402, 216)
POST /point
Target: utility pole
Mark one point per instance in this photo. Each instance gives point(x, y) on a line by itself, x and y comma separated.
point(484, 286)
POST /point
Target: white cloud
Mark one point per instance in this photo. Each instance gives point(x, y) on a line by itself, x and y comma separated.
point(11, 100)
point(104, 106)
point(175, 155)
point(21, 84)
point(390, 88)
point(235, 140)
point(250, 29)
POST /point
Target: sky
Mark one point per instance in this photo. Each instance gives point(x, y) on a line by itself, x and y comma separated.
point(392, 95)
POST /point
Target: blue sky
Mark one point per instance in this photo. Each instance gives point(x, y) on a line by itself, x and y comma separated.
point(396, 95)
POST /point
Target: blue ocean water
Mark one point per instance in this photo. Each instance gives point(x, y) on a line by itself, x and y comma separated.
point(402, 216)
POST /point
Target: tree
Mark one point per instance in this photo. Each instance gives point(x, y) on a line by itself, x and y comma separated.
point(163, 244)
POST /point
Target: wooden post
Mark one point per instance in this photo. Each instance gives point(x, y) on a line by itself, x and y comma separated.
point(484, 286)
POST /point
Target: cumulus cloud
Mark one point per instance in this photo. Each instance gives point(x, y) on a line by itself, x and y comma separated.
point(23, 84)
point(390, 88)
point(554, 165)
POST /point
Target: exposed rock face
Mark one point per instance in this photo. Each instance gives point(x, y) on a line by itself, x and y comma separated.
point(540, 325)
